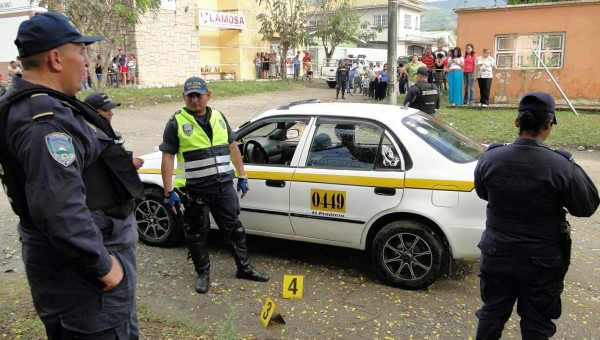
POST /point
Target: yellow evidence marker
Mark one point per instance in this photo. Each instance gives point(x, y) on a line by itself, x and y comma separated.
point(293, 286)
point(266, 315)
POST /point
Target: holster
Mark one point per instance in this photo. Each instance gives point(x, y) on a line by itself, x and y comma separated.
point(192, 209)
point(565, 230)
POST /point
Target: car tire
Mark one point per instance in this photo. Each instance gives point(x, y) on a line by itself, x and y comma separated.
point(331, 84)
point(408, 254)
point(156, 223)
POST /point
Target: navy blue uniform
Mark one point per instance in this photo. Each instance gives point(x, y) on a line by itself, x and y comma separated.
point(524, 254)
point(65, 250)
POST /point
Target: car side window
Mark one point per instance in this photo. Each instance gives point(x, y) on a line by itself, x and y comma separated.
point(351, 145)
point(388, 157)
point(272, 142)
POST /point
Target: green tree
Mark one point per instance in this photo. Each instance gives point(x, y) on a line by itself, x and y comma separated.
point(285, 19)
point(111, 18)
point(340, 23)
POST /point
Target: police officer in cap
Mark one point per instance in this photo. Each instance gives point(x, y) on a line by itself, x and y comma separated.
point(526, 245)
point(82, 273)
point(423, 95)
point(205, 147)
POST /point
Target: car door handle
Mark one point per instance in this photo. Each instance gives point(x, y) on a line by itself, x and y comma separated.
point(274, 183)
point(385, 191)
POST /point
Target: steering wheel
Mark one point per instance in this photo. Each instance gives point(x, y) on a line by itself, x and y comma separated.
point(257, 154)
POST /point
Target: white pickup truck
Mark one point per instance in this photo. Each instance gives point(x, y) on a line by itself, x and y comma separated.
point(330, 66)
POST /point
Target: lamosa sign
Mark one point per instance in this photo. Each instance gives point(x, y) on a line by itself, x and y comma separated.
point(5, 4)
point(221, 19)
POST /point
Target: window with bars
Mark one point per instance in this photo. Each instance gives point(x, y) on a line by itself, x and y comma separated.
point(407, 21)
point(380, 20)
point(515, 51)
point(314, 23)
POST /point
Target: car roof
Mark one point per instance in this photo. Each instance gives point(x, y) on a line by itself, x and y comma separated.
point(380, 112)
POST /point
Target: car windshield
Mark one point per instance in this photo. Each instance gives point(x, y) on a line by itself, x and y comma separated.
point(449, 142)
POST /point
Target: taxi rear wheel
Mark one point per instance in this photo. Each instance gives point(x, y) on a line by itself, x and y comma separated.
point(408, 254)
point(157, 226)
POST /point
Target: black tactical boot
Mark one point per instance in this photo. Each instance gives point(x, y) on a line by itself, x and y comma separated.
point(199, 255)
point(239, 250)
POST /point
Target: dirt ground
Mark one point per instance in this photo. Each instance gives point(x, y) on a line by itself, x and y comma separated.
point(343, 297)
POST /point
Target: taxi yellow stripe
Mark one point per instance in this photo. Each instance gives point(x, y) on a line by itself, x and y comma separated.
point(409, 183)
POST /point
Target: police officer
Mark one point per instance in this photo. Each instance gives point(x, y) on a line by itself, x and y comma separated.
point(82, 274)
point(423, 95)
point(102, 103)
point(204, 144)
point(525, 247)
point(342, 74)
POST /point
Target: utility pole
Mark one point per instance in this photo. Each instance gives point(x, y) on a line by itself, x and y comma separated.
point(392, 91)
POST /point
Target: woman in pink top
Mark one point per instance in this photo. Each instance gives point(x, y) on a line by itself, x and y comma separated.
point(469, 74)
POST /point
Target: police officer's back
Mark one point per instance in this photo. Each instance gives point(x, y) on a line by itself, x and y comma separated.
point(423, 95)
point(525, 247)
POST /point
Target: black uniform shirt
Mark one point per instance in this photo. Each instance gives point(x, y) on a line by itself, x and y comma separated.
point(54, 145)
point(528, 187)
point(413, 93)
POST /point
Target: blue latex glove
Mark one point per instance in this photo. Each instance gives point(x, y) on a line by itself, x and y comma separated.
point(172, 199)
point(242, 185)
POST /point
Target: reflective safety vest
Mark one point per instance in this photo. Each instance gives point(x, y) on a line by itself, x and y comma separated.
point(201, 161)
point(426, 97)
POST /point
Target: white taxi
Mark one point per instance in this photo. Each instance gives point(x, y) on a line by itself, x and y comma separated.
point(392, 181)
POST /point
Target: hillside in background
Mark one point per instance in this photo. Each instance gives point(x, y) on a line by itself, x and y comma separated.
point(440, 15)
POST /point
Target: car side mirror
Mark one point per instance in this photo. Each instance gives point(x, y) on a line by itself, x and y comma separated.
point(292, 133)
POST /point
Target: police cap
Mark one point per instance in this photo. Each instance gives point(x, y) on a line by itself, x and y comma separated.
point(45, 31)
point(100, 101)
point(538, 102)
point(195, 85)
point(423, 71)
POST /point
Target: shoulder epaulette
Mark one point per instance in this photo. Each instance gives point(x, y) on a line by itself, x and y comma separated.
point(566, 154)
point(41, 105)
point(495, 145)
point(174, 114)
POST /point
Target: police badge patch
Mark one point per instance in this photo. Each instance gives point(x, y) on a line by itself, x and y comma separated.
point(222, 123)
point(60, 146)
point(188, 129)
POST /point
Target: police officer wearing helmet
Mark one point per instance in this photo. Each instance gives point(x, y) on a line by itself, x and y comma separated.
point(205, 147)
point(423, 95)
point(526, 244)
point(54, 156)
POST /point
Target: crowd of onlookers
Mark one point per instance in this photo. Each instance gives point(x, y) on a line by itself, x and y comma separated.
point(453, 73)
point(268, 65)
point(121, 71)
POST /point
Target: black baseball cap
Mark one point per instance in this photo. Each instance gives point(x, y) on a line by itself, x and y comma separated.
point(100, 101)
point(195, 85)
point(423, 71)
point(538, 102)
point(45, 31)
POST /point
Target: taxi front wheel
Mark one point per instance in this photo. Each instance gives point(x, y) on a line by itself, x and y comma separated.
point(408, 254)
point(157, 226)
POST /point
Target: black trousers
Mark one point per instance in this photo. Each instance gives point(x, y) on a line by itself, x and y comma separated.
point(533, 282)
point(372, 86)
point(341, 86)
point(485, 84)
point(224, 207)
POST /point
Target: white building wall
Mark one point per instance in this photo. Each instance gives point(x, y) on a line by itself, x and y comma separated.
point(167, 45)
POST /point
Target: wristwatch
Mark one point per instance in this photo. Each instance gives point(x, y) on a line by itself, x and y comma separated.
point(244, 178)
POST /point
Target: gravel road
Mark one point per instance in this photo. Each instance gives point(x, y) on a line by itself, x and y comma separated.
point(343, 298)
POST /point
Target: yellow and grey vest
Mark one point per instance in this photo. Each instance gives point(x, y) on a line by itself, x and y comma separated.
point(201, 161)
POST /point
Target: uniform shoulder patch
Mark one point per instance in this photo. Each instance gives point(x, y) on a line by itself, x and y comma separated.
point(41, 105)
point(495, 145)
point(174, 114)
point(60, 146)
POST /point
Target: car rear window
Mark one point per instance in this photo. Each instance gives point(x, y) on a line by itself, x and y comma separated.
point(446, 140)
